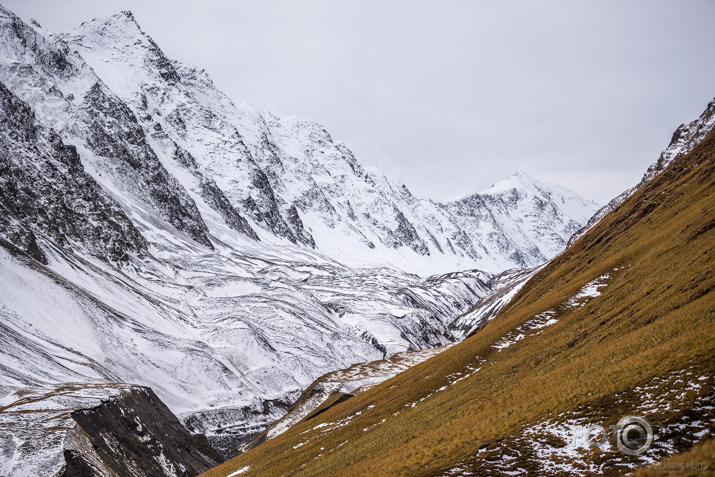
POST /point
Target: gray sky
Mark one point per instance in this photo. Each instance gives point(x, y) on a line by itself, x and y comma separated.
point(451, 96)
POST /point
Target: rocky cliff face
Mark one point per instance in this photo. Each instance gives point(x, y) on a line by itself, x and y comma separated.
point(134, 434)
point(97, 429)
point(112, 133)
point(46, 195)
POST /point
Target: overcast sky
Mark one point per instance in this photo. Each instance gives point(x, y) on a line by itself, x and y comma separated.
point(451, 96)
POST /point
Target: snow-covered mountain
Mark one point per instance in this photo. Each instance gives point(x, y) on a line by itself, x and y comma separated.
point(155, 233)
point(288, 178)
point(522, 219)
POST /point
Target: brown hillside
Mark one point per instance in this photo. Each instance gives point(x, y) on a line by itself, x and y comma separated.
point(645, 346)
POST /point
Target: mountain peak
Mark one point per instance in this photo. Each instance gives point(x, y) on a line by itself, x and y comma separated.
point(523, 175)
point(119, 38)
point(5, 12)
point(123, 17)
point(8, 16)
point(518, 180)
point(119, 26)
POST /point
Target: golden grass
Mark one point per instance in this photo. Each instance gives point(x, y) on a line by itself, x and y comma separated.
point(656, 316)
point(698, 461)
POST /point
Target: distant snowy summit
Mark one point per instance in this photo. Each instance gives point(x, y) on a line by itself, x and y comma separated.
point(160, 138)
point(527, 220)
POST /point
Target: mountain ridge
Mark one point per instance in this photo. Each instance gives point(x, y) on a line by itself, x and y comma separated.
point(292, 163)
point(684, 139)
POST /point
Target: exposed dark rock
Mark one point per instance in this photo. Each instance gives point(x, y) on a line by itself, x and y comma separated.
point(230, 430)
point(374, 342)
point(296, 224)
point(135, 434)
point(45, 192)
point(264, 207)
point(115, 133)
point(216, 199)
point(24, 239)
point(407, 234)
point(337, 399)
point(434, 241)
point(684, 140)
point(182, 156)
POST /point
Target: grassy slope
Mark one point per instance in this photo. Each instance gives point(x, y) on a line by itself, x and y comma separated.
point(698, 461)
point(332, 388)
point(654, 319)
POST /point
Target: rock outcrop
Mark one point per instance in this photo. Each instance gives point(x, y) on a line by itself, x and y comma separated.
point(134, 434)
